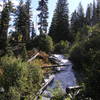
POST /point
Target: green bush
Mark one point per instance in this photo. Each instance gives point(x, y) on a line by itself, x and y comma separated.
point(19, 79)
point(14, 70)
point(13, 94)
point(62, 47)
point(24, 54)
point(58, 93)
point(44, 43)
point(77, 56)
point(86, 58)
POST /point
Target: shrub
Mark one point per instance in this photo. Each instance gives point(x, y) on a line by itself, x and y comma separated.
point(86, 58)
point(13, 94)
point(44, 43)
point(62, 47)
point(9, 50)
point(19, 79)
point(77, 56)
point(58, 93)
point(24, 54)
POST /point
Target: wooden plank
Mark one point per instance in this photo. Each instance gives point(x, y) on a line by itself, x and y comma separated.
point(52, 66)
point(44, 87)
point(46, 84)
point(75, 87)
point(33, 57)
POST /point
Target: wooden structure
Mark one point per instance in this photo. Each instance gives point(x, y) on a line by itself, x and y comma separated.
point(44, 87)
point(52, 66)
point(73, 91)
point(33, 57)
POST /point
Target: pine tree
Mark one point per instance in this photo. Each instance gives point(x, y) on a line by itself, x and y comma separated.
point(89, 14)
point(98, 12)
point(22, 21)
point(74, 24)
point(28, 17)
point(59, 29)
point(24, 54)
point(4, 23)
point(19, 20)
point(81, 16)
point(43, 15)
point(33, 34)
point(94, 13)
point(77, 21)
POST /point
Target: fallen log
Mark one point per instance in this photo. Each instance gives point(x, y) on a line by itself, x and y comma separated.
point(52, 66)
point(33, 57)
point(44, 87)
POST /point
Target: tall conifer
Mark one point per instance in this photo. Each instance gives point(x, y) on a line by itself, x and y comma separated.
point(4, 23)
point(43, 15)
point(89, 14)
point(98, 12)
point(59, 29)
point(94, 13)
point(5, 19)
point(22, 21)
point(74, 24)
point(33, 34)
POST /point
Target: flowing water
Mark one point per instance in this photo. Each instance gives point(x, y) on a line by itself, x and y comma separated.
point(65, 77)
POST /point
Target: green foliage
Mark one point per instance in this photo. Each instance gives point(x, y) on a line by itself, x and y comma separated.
point(89, 14)
point(59, 29)
point(22, 20)
point(43, 15)
point(44, 43)
point(58, 93)
point(3, 44)
point(33, 33)
point(24, 54)
point(77, 21)
point(4, 24)
point(9, 51)
point(13, 94)
point(19, 79)
point(5, 19)
point(86, 58)
point(13, 71)
point(77, 56)
point(67, 99)
point(83, 34)
point(62, 47)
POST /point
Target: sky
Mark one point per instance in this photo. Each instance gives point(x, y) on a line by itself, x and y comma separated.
point(72, 4)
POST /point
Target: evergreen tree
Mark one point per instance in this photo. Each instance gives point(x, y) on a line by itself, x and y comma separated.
point(22, 21)
point(33, 34)
point(24, 54)
point(78, 21)
point(28, 17)
point(74, 24)
point(4, 23)
point(43, 15)
point(81, 16)
point(94, 14)
point(98, 12)
point(9, 50)
point(59, 29)
point(89, 14)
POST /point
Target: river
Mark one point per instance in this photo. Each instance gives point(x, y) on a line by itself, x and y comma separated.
point(66, 76)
